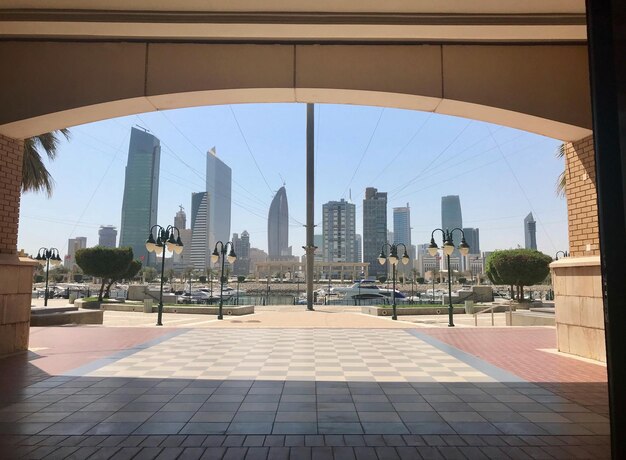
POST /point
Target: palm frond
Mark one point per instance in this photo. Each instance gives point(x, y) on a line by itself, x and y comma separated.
point(35, 175)
point(561, 182)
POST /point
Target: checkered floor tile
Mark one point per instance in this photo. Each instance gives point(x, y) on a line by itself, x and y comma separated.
point(295, 354)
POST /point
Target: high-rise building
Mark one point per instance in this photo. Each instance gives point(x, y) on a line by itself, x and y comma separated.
point(451, 218)
point(242, 249)
point(374, 228)
point(451, 215)
point(107, 236)
point(218, 187)
point(472, 237)
point(199, 254)
point(73, 245)
point(530, 232)
point(358, 248)
point(338, 227)
point(402, 226)
point(278, 226)
point(180, 261)
point(141, 193)
point(180, 220)
point(318, 242)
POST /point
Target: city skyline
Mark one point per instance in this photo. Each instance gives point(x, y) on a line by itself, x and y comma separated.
point(271, 131)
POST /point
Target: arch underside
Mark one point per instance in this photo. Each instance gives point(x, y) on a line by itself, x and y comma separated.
point(540, 89)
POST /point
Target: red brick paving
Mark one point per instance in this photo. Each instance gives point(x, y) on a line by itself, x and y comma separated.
point(517, 350)
point(61, 349)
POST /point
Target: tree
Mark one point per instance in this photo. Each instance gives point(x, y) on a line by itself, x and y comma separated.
point(188, 273)
point(35, 175)
point(149, 274)
point(129, 274)
point(517, 268)
point(59, 273)
point(170, 274)
point(241, 278)
point(105, 263)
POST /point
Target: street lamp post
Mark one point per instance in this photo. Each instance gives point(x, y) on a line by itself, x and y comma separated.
point(328, 293)
point(231, 259)
point(433, 298)
point(44, 256)
point(298, 284)
point(393, 259)
point(165, 240)
point(448, 248)
point(237, 301)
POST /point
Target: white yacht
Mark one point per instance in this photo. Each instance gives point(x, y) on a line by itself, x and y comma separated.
point(367, 289)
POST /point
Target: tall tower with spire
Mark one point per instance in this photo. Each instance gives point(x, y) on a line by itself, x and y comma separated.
point(278, 226)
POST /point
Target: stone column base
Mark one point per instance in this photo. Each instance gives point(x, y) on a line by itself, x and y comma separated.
point(16, 290)
point(579, 308)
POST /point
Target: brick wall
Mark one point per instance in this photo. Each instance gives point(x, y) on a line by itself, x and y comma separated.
point(16, 274)
point(582, 206)
point(10, 180)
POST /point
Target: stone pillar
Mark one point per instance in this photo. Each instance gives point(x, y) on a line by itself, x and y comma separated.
point(16, 273)
point(577, 279)
point(577, 285)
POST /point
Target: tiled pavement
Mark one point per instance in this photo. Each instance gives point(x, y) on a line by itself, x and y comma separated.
point(300, 393)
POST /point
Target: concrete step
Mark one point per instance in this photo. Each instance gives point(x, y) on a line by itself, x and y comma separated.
point(47, 310)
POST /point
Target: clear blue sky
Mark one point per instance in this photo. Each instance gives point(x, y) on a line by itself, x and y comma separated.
point(501, 174)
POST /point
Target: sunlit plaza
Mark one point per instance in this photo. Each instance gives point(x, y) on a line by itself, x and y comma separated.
point(398, 230)
point(289, 383)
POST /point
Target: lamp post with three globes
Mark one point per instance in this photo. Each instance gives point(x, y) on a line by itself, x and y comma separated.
point(448, 249)
point(44, 256)
point(393, 259)
point(165, 240)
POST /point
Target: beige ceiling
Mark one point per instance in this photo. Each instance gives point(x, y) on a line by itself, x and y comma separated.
point(334, 6)
point(290, 20)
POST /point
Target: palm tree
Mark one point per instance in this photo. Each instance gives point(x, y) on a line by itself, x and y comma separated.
point(35, 175)
point(560, 181)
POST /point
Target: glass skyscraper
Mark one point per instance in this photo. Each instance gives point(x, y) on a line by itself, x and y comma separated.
point(451, 217)
point(374, 229)
point(339, 230)
point(218, 187)
point(141, 193)
point(358, 248)
point(199, 252)
point(402, 227)
point(530, 232)
point(472, 237)
point(278, 226)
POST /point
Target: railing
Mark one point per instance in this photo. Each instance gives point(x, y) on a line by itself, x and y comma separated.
point(491, 309)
